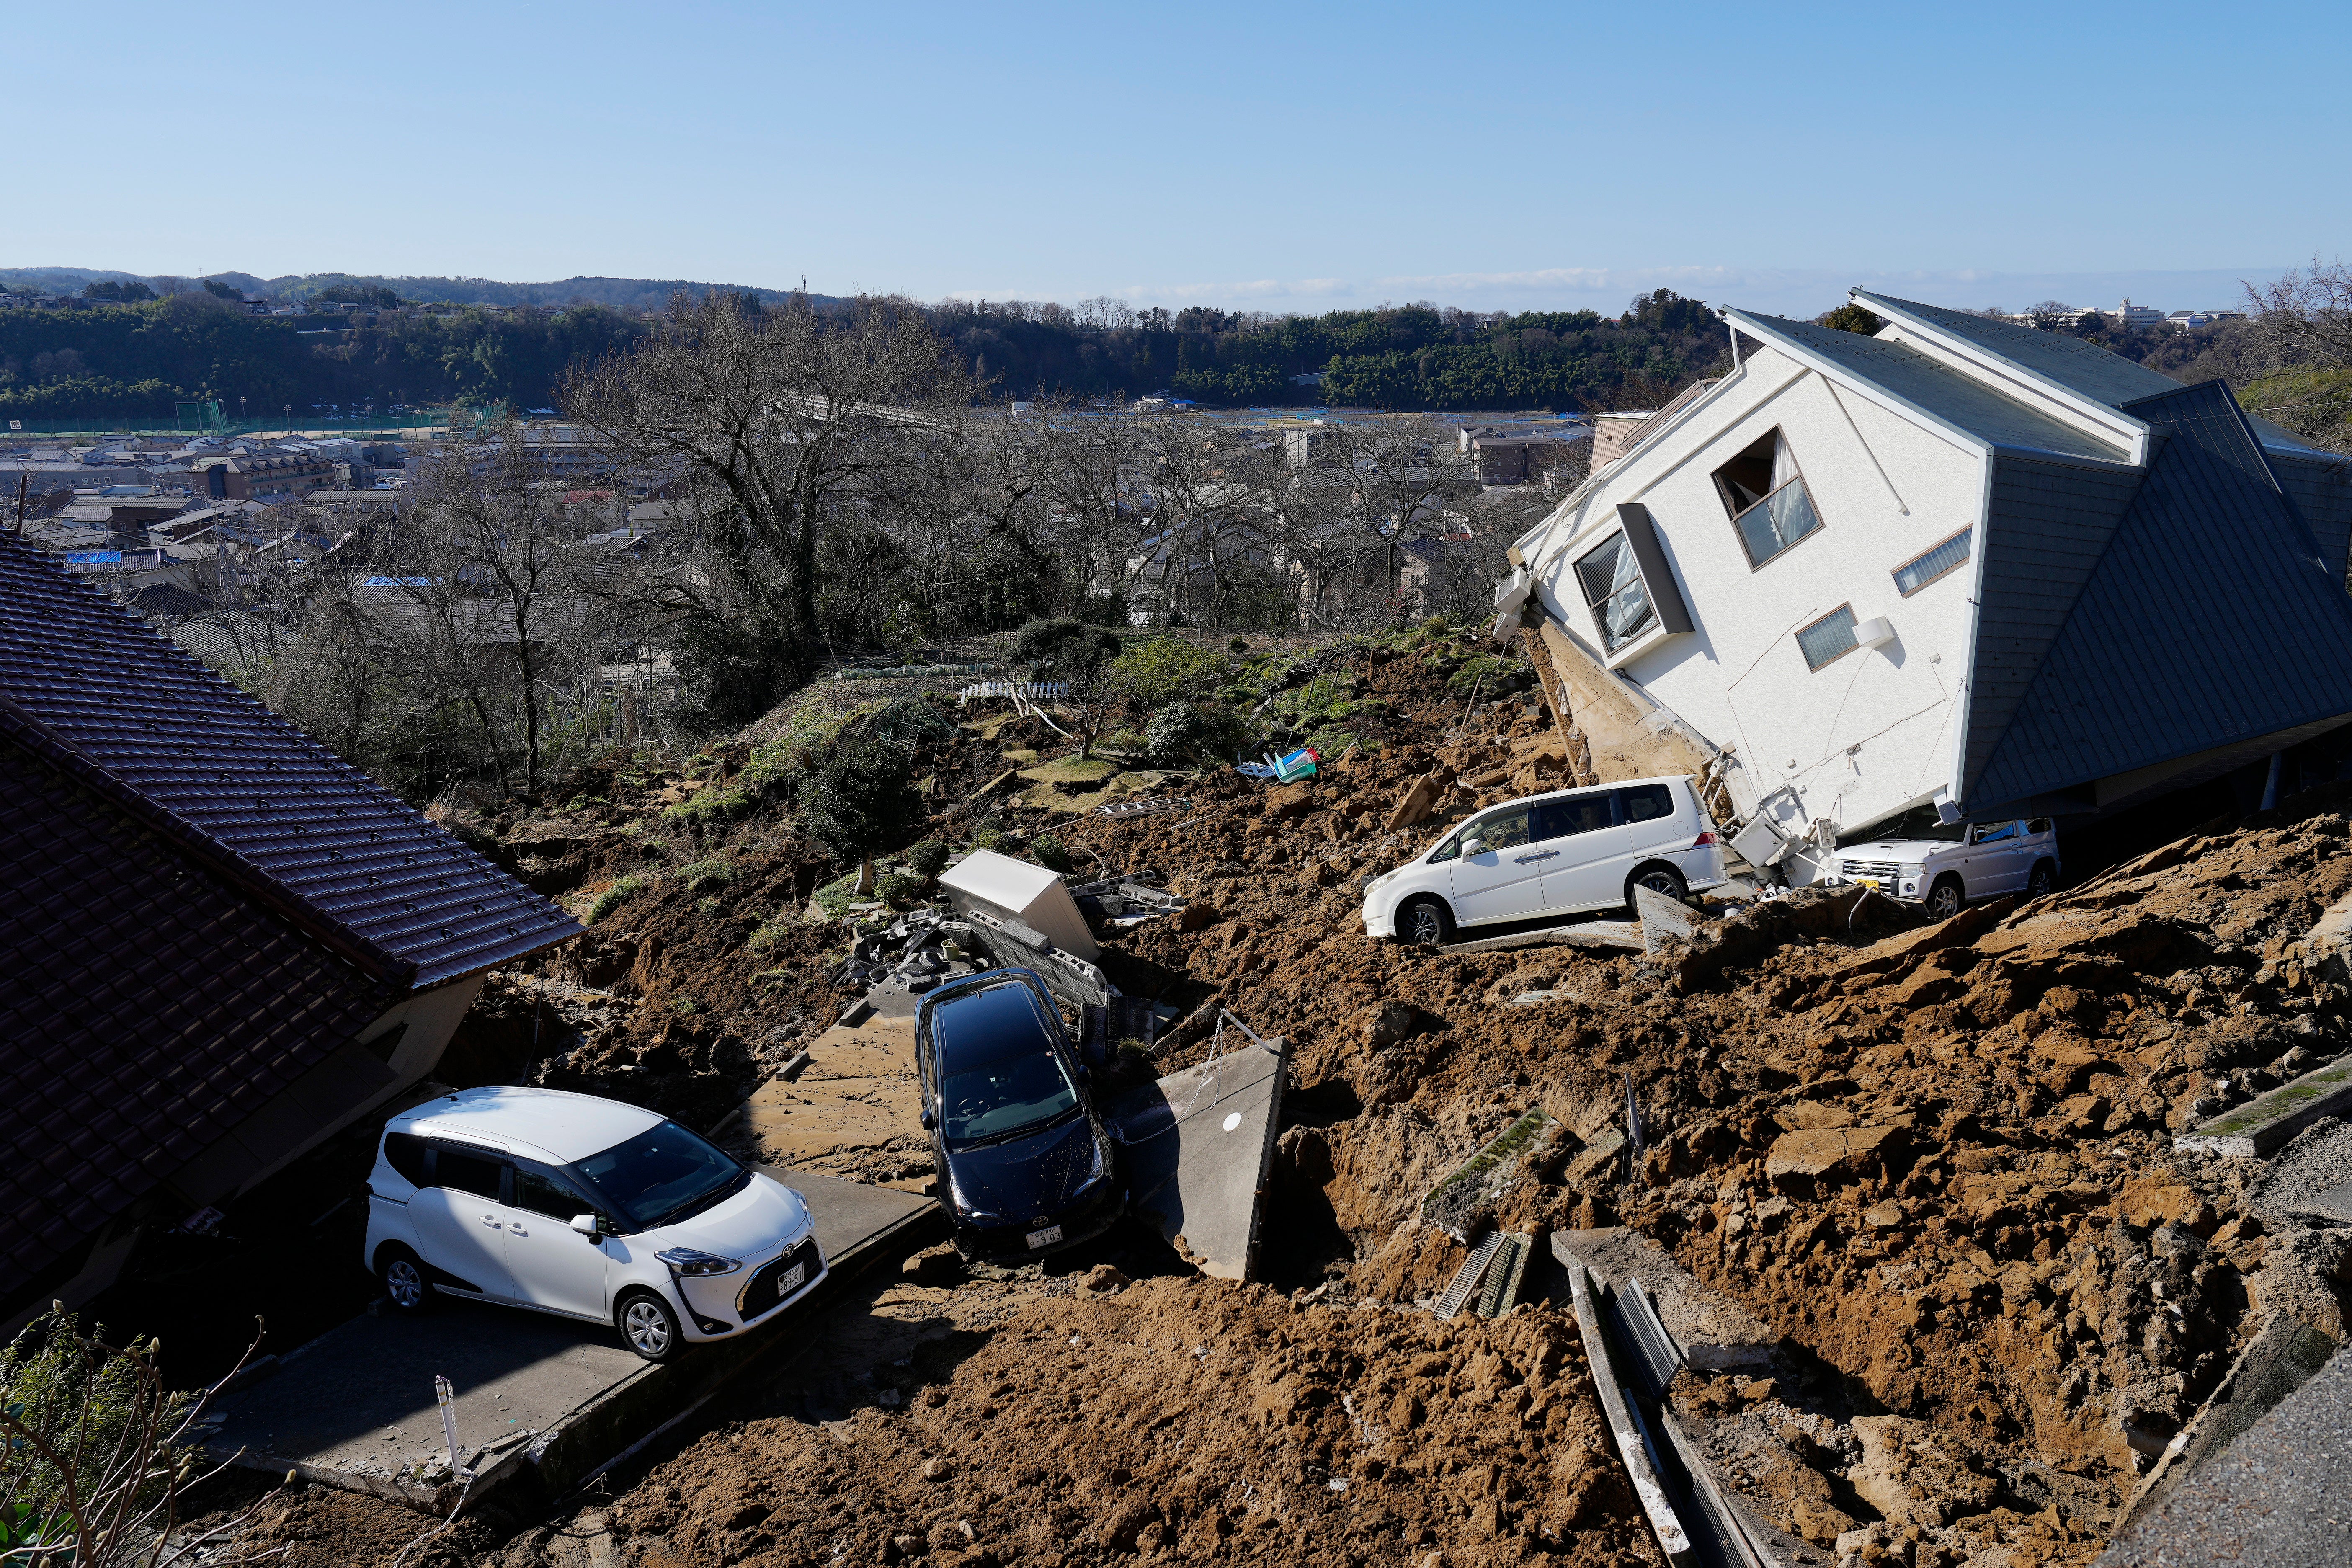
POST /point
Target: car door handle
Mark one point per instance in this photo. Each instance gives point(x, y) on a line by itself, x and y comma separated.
point(516, 1225)
point(1547, 855)
point(493, 1221)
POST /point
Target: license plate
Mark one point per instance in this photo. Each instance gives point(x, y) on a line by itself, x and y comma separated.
point(791, 1279)
point(1045, 1237)
point(1870, 882)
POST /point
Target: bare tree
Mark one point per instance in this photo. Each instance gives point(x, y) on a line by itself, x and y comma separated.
point(482, 556)
point(2302, 331)
point(781, 423)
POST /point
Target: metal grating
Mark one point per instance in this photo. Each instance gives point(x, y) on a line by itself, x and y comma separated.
point(1502, 1292)
point(1467, 1277)
point(1653, 1352)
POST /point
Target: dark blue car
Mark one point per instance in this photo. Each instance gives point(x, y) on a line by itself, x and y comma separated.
point(1024, 1164)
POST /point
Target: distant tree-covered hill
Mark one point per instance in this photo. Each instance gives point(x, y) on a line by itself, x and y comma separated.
point(617, 293)
point(134, 360)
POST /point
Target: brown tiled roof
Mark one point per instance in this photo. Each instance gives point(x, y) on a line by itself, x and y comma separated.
point(234, 783)
point(201, 906)
point(148, 1005)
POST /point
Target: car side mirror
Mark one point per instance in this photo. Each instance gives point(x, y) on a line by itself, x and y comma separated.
point(586, 1223)
point(927, 1123)
point(1473, 847)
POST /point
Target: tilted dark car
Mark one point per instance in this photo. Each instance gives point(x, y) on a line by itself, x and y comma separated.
point(1025, 1166)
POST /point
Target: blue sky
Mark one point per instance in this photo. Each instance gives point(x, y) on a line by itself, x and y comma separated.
point(1275, 157)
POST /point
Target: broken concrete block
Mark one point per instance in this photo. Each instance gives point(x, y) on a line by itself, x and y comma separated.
point(2263, 1124)
point(1834, 1155)
point(1419, 802)
point(1711, 1332)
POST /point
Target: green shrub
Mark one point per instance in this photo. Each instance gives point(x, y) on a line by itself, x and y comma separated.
point(861, 801)
point(1174, 734)
point(1049, 852)
point(706, 906)
point(1239, 646)
point(613, 897)
point(987, 838)
point(89, 1404)
point(1062, 649)
point(899, 889)
point(702, 875)
point(771, 932)
point(1435, 625)
point(687, 1006)
point(929, 857)
point(835, 897)
point(1166, 669)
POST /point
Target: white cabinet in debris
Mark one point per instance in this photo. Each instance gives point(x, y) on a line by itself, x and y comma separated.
point(998, 885)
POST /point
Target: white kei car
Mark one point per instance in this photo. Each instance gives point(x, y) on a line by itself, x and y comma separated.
point(586, 1208)
point(1558, 854)
point(1943, 865)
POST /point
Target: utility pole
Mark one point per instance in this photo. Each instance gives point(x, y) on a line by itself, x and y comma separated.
point(21, 477)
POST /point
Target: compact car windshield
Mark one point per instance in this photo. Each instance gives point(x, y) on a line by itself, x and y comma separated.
point(994, 1100)
point(662, 1174)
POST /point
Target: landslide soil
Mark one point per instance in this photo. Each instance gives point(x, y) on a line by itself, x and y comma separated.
point(1937, 1159)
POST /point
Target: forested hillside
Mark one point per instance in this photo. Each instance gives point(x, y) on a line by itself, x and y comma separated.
point(135, 360)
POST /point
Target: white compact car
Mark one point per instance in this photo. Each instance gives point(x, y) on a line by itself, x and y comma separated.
point(587, 1208)
point(1942, 866)
point(1559, 854)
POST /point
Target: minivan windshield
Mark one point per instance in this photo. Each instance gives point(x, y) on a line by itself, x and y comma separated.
point(999, 1074)
point(662, 1175)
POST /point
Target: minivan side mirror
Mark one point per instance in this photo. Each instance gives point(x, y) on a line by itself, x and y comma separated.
point(927, 1123)
point(1473, 847)
point(586, 1223)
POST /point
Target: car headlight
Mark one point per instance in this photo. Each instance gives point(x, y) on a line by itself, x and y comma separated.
point(688, 1263)
point(1911, 877)
point(1100, 1169)
point(962, 1206)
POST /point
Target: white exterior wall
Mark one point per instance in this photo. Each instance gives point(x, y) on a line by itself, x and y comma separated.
point(1738, 678)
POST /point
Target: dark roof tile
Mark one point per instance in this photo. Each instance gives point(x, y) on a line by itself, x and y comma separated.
point(228, 777)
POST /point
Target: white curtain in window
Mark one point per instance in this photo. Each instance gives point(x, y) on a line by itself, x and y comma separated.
point(1784, 462)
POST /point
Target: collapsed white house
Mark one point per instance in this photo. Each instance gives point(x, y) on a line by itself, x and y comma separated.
point(1958, 563)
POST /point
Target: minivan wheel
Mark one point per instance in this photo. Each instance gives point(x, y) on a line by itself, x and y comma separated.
point(649, 1326)
point(402, 1275)
point(1662, 879)
point(1944, 898)
point(1425, 921)
point(2044, 880)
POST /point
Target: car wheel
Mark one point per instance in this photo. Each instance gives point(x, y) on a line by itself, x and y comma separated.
point(1944, 898)
point(402, 1275)
point(2044, 880)
point(649, 1326)
point(1664, 880)
point(1427, 921)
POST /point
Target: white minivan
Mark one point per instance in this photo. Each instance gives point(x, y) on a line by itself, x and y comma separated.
point(587, 1208)
point(1559, 854)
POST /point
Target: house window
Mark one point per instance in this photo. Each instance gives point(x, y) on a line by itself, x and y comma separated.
point(1925, 567)
point(1766, 498)
point(1612, 581)
point(1829, 637)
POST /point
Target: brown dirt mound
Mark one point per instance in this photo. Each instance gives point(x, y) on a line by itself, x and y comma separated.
point(1190, 1421)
